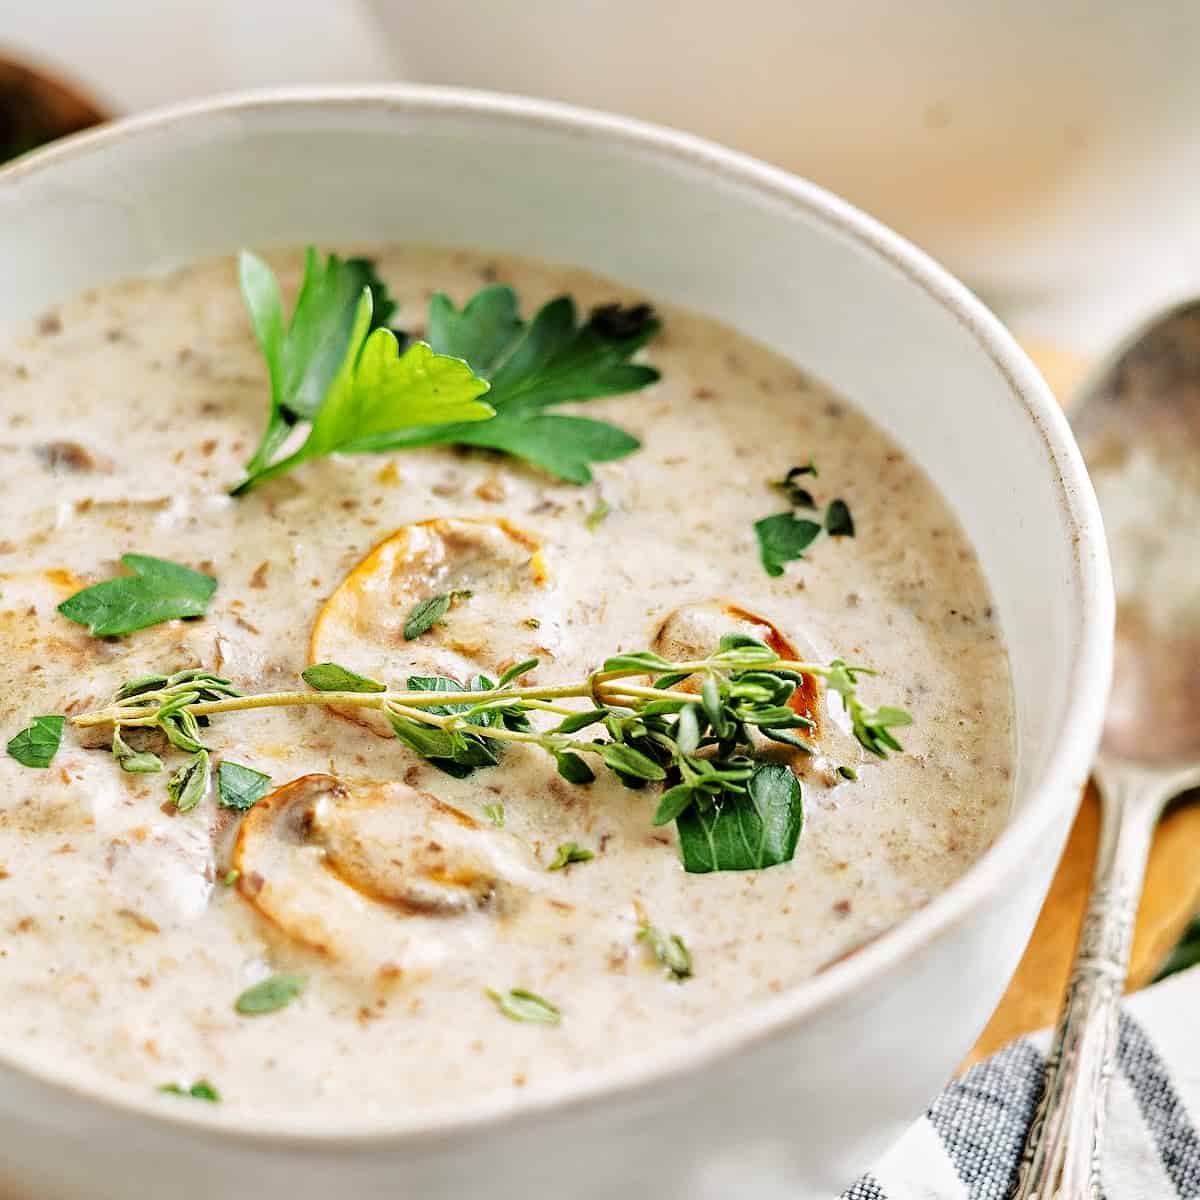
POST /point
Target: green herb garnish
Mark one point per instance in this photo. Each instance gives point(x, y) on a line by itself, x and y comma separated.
point(519, 1005)
point(734, 811)
point(596, 517)
point(425, 616)
point(872, 726)
point(240, 787)
point(570, 852)
point(838, 521)
point(134, 761)
point(189, 785)
point(533, 368)
point(332, 677)
point(783, 538)
point(748, 830)
point(429, 612)
point(495, 814)
point(336, 368)
point(200, 1090)
point(157, 591)
point(231, 877)
point(667, 948)
point(272, 994)
point(798, 495)
point(37, 744)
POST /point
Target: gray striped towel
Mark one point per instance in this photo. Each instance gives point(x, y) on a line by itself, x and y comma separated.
point(967, 1146)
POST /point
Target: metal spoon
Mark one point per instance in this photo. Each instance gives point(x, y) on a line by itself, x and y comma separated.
point(1138, 423)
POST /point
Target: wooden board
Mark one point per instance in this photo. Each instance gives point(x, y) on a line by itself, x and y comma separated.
point(1172, 893)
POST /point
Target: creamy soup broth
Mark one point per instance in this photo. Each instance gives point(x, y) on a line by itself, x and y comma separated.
point(124, 417)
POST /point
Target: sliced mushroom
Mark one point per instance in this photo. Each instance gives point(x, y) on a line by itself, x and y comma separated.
point(364, 870)
point(503, 610)
point(693, 630)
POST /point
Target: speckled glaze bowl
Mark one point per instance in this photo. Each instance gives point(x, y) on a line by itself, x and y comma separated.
point(790, 1098)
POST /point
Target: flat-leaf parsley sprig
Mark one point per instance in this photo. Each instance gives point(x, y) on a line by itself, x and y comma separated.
point(733, 809)
point(360, 386)
point(337, 369)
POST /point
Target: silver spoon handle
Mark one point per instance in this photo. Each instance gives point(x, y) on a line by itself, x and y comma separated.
point(1061, 1160)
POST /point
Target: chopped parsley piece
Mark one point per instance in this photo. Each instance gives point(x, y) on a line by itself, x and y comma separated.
point(798, 495)
point(157, 591)
point(838, 521)
point(783, 538)
point(36, 745)
point(240, 787)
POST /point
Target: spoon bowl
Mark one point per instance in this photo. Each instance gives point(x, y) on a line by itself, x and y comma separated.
point(1138, 424)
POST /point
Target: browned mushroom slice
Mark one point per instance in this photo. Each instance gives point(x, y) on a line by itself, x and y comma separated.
point(502, 612)
point(693, 631)
point(364, 870)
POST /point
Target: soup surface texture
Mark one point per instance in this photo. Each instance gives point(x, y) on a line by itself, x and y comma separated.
point(126, 415)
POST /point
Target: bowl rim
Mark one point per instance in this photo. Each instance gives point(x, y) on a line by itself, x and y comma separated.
point(1044, 810)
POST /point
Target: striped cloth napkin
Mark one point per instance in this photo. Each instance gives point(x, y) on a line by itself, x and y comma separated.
point(968, 1144)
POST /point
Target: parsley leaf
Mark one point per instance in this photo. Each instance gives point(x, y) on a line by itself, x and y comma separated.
point(157, 591)
point(303, 359)
point(838, 521)
point(240, 787)
point(272, 994)
point(744, 831)
point(338, 368)
point(519, 1005)
point(798, 495)
point(570, 852)
point(482, 332)
point(333, 677)
point(36, 745)
point(783, 538)
point(553, 360)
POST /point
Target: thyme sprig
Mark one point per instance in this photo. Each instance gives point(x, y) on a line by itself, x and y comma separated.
point(704, 745)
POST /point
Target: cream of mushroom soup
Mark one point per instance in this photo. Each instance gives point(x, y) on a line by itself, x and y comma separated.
point(343, 926)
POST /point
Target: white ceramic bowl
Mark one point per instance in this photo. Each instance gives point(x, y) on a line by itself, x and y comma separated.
point(794, 1097)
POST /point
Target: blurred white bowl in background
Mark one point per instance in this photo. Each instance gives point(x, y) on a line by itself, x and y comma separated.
point(1045, 150)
